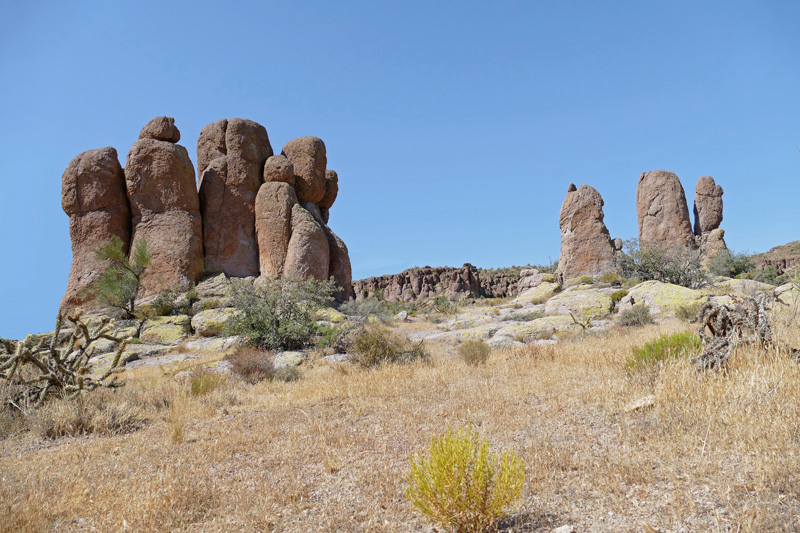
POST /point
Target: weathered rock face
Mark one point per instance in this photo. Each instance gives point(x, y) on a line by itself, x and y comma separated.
point(160, 182)
point(586, 246)
point(707, 205)
point(712, 244)
point(662, 211)
point(231, 156)
point(291, 212)
point(93, 195)
point(426, 282)
point(309, 158)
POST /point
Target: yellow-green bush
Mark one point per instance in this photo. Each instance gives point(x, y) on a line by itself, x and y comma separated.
point(663, 348)
point(463, 486)
point(474, 352)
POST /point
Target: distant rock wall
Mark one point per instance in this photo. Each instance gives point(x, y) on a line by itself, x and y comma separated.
point(427, 282)
point(254, 214)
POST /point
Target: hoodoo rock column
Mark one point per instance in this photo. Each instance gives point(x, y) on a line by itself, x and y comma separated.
point(165, 207)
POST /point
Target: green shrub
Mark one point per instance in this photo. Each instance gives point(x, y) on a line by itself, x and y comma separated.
point(730, 264)
point(638, 315)
point(204, 381)
point(474, 352)
point(663, 348)
point(463, 486)
point(682, 266)
point(617, 297)
point(584, 280)
point(375, 345)
point(279, 313)
point(118, 285)
point(364, 308)
point(445, 306)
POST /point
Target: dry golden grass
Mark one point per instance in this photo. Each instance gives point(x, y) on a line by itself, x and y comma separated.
point(716, 452)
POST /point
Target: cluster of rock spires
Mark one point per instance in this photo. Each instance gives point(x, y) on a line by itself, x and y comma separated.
point(663, 216)
point(254, 214)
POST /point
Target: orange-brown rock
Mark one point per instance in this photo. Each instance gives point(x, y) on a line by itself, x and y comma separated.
point(93, 195)
point(707, 205)
point(309, 158)
point(165, 207)
point(308, 253)
point(586, 246)
point(279, 168)
point(274, 204)
point(232, 154)
point(662, 211)
point(331, 189)
point(161, 129)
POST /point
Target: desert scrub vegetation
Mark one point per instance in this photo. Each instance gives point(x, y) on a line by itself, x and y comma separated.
point(375, 345)
point(278, 313)
point(39, 367)
point(118, 285)
point(653, 262)
point(637, 315)
point(474, 352)
point(461, 485)
point(257, 364)
point(666, 347)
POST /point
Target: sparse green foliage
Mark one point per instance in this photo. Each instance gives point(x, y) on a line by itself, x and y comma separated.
point(279, 313)
point(730, 264)
point(40, 367)
point(364, 308)
point(461, 484)
point(445, 306)
point(610, 277)
point(663, 348)
point(688, 313)
point(681, 267)
point(474, 352)
point(637, 315)
point(376, 344)
point(118, 285)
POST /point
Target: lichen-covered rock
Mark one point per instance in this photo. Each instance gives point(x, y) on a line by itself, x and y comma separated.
point(287, 359)
point(707, 205)
point(160, 183)
point(541, 328)
point(662, 211)
point(213, 344)
point(586, 247)
point(538, 294)
point(330, 314)
point(582, 301)
point(212, 322)
point(663, 299)
point(93, 196)
point(229, 181)
point(745, 287)
point(169, 330)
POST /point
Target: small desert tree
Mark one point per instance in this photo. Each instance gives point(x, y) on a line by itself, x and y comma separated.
point(118, 285)
point(681, 266)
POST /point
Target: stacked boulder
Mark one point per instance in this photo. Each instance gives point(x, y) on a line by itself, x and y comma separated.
point(291, 213)
point(230, 159)
point(255, 213)
point(93, 195)
point(586, 246)
point(166, 210)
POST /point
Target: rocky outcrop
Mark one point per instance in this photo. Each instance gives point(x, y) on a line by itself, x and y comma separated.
point(231, 156)
point(165, 208)
point(427, 282)
point(93, 195)
point(291, 213)
point(784, 258)
point(586, 246)
point(707, 206)
point(662, 211)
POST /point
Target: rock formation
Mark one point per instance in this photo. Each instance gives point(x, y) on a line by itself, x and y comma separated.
point(291, 211)
point(586, 246)
point(421, 283)
point(93, 195)
point(707, 205)
point(164, 204)
point(662, 211)
point(230, 162)
point(255, 213)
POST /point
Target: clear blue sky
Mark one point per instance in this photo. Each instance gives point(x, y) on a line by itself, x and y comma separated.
point(455, 127)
